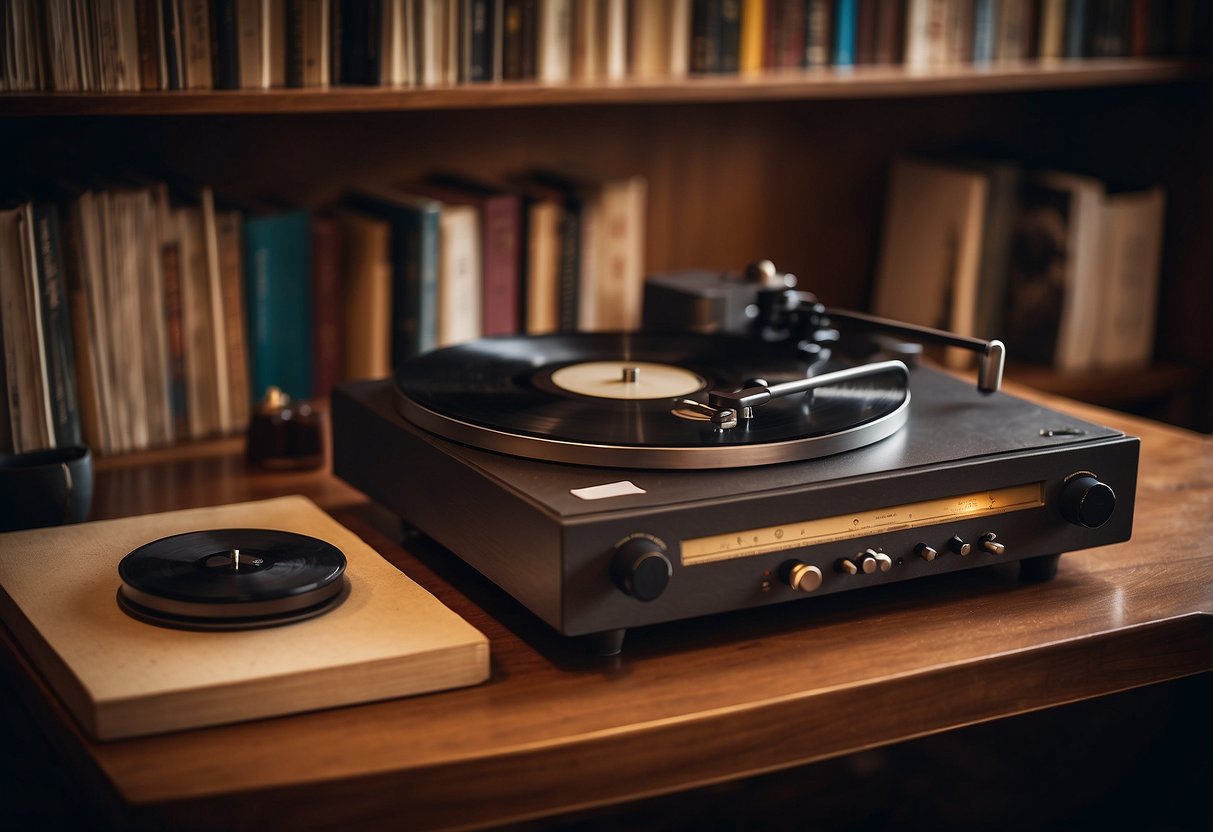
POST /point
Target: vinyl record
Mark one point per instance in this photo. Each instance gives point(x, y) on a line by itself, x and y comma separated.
point(638, 400)
point(231, 579)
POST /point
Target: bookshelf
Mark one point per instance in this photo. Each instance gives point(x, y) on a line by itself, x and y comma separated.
point(789, 165)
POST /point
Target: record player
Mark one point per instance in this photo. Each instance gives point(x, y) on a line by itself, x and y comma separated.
point(749, 447)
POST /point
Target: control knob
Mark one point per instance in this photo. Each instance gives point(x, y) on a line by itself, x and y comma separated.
point(641, 569)
point(800, 576)
point(1086, 501)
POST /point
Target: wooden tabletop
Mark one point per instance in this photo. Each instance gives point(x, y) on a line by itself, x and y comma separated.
point(686, 704)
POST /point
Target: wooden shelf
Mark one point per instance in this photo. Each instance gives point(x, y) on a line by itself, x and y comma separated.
point(827, 83)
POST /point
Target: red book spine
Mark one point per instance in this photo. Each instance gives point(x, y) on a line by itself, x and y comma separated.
point(326, 306)
point(502, 219)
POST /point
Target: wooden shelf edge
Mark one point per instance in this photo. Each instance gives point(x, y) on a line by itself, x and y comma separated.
point(826, 83)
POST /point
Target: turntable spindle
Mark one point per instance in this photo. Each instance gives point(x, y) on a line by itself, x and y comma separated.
point(631, 375)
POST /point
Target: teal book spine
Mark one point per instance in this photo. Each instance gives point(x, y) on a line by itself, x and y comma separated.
point(845, 21)
point(278, 269)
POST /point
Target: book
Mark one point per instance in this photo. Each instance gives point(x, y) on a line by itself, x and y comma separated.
point(308, 43)
point(56, 326)
point(500, 220)
point(414, 222)
point(519, 22)
point(438, 33)
point(553, 41)
point(931, 244)
point(166, 235)
point(707, 36)
point(660, 38)
point(1131, 257)
point(460, 285)
point(153, 339)
point(29, 411)
point(366, 269)
point(327, 320)
point(193, 29)
point(230, 245)
point(198, 324)
point(253, 31)
point(1054, 307)
point(752, 51)
point(541, 264)
point(846, 23)
point(890, 31)
point(479, 58)
point(225, 28)
point(926, 32)
point(358, 42)
point(600, 277)
point(784, 38)
point(174, 52)
point(819, 27)
point(278, 275)
point(218, 319)
point(150, 43)
point(85, 302)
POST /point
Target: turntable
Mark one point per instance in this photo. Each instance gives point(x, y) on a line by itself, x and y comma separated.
point(616, 480)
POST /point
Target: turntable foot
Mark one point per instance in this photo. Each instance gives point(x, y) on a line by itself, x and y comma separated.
point(1041, 568)
point(606, 643)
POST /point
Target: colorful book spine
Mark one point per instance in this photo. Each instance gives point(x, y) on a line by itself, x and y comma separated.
point(278, 269)
point(502, 260)
point(845, 23)
point(985, 20)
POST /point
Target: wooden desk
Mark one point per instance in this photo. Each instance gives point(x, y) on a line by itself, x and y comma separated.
point(687, 704)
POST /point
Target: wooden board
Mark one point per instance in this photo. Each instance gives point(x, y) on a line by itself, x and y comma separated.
point(121, 677)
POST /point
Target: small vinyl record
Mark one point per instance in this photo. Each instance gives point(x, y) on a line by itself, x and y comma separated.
point(640, 400)
point(231, 579)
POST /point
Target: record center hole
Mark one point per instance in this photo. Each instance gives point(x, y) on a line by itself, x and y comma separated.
point(234, 560)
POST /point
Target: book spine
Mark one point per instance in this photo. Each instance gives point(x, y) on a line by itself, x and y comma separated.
point(730, 36)
point(845, 23)
point(149, 38)
point(1076, 29)
point(231, 276)
point(56, 327)
point(568, 280)
point(195, 29)
point(984, 31)
point(277, 258)
point(326, 306)
point(502, 259)
point(478, 41)
point(706, 24)
point(817, 33)
point(174, 301)
point(227, 45)
point(170, 22)
point(359, 39)
point(429, 233)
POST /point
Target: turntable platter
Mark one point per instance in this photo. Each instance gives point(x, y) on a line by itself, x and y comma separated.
point(639, 400)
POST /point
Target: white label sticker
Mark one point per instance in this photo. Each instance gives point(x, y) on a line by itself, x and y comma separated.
point(611, 489)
